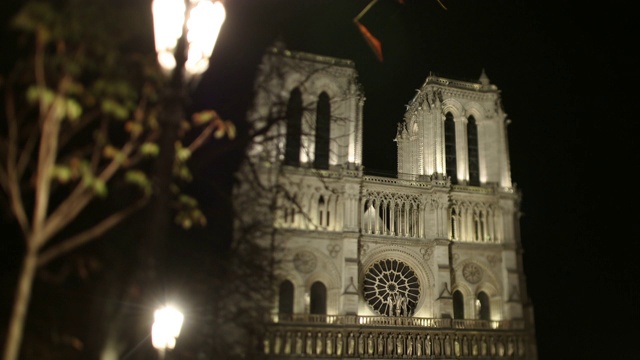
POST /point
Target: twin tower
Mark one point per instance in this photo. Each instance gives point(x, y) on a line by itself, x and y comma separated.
point(426, 264)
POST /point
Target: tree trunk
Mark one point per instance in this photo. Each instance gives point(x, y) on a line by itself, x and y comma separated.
point(21, 304)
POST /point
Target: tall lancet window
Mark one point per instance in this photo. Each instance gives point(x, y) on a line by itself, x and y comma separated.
point(454, 224)
point(458, 305)
point(472, 144)
point(323, 117)
point(318, 303)
point(285, 298)
point(294, 121)
point(323, 212)
point(450, 147)
point(483, 312)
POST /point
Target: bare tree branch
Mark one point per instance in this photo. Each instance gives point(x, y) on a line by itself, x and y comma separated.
point(95, 231)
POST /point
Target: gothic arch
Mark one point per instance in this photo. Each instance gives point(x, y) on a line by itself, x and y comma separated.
point(474, 109)
point(415, 127)
point(324, 83)
point(473, 150)
point(286, 297)
point(495, 298)
point(453, 106)
point(474, 115)
point(293, 125)
point(312, 204)
point(483, 308)
point(459, 299)
point(293, 80)
point(450, 146)
point(322, 131)
point(318, 298)
point(284, 275)
point(489, 283)
point(463, 288)
point(288, 204)
point(325, 272)
point(489, 289)
point(468, 296)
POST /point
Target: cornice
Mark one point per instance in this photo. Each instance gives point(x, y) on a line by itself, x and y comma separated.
point(300, 55)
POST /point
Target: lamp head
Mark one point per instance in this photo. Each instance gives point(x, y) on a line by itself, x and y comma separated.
point(198, 22)
point(166, 327)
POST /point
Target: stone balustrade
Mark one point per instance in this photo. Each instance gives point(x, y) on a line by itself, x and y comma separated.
point(345, 336)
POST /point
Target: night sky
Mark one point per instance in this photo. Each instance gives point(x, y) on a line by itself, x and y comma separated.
point(567, 72)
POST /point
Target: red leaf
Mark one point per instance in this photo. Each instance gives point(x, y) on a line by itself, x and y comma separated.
point(371, 40)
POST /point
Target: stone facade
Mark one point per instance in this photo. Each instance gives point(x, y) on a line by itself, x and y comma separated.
point(427, 263)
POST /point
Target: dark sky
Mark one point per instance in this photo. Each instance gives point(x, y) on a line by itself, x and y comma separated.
point(566, 71)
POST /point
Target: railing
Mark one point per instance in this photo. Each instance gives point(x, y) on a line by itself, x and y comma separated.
point(438, 323)
point(396, 181)
point(358, 337)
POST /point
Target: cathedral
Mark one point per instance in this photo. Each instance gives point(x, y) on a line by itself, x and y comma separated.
point(426, 264)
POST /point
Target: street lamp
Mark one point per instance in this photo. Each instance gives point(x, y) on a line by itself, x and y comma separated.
point(166, 329)
point(185, 32)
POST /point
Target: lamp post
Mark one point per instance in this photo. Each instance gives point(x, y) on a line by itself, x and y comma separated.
point(185, 32)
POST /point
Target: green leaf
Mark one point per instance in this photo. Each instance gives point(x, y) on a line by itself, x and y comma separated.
point(203, 117)
point(33, 94)
point(35, 16)
point(62, 173)
point(189, 213)
point(74, 110)
point(183, 173)
point(38, 94)
point(139, 179)
point(219, 133)
point(117, 110)
point(75, 88)
point(183, 154)
point(110, 152)
point(231, 130)
point(133, 127)
point(187, 200)
point(150, 149)
point(100, 187)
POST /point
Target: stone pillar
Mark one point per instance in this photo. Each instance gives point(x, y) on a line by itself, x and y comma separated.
point(350, 286)
point(444, 299)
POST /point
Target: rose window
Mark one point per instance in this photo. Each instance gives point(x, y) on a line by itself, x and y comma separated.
point(391, 288)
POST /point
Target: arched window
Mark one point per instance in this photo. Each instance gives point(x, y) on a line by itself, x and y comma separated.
point(450, 147)
point(323, 117)
point(289, 214)
point(323, 212)
point(458, 305)
point(472, 144)
point(285, 298)
point(484, 313)
point(454, 225)
point(318, 303)
point(476, 227)
point(294, 121)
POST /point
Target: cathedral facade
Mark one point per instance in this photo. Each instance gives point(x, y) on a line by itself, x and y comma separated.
point(426, 264)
